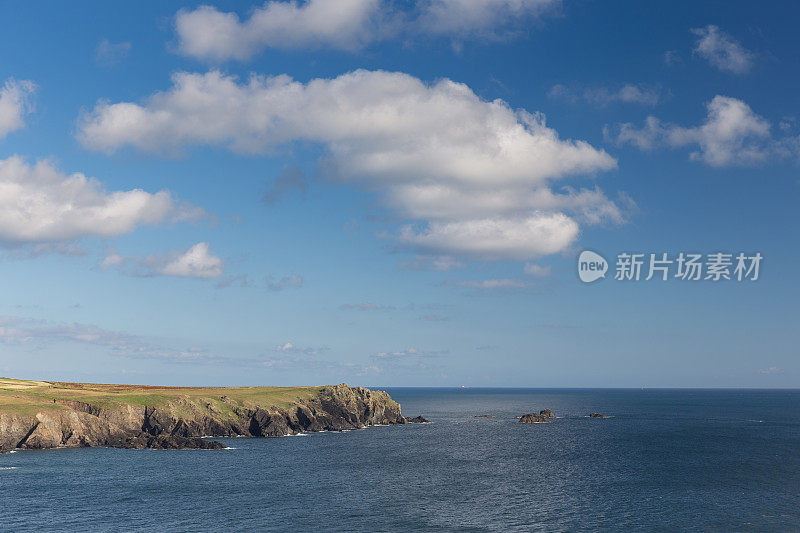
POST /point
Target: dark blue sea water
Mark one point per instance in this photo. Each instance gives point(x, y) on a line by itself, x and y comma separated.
point(665, 460)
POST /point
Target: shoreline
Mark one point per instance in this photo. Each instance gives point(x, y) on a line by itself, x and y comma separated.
point(47, 415)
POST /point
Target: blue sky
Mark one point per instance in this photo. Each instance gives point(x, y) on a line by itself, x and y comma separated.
point(396, 194)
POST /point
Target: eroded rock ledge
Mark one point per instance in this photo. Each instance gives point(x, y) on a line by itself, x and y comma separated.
point(180, 422)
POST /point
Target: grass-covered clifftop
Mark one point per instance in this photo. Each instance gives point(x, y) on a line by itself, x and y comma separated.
point(45, 414)
point(29, 397)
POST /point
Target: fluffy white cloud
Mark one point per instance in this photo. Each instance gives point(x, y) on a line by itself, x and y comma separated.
point(196, 262)
point(209, 34)
point(40, 204)
point(434, 152)
point(537, 235)
point(732, 134)
point(15, 103)
point(604, 96)
point(722, 51)
point(214, 35)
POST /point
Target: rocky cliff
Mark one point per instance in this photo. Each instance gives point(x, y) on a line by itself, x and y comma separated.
point(179, 419)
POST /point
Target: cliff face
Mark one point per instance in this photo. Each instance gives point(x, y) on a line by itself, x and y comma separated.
point(179, 422)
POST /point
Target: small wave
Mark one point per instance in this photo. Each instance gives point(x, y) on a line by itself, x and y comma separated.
point(8, 467)
point(298, 435)
point(229, 448)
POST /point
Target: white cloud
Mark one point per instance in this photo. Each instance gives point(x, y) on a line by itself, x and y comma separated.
point(403, 354)
point(15, 103)
point(732, 134)
point(209, 34)
point(537, 235)
point(291, 348)
point(537, 271)
point(40, 204)
point(108, 54)
point(40, 333)
point(196, 262)
point(439, 263)
point(436, 152)
point(366, 306)
point(408, 354)
point(493, 284)
point(482, 18)
point(604, 96)
point(212, 35)
point(722, 51)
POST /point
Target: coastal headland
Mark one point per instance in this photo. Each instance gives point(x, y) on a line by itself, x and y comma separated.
point(51, 414)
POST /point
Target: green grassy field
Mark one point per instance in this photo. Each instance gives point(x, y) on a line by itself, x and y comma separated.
point(23, 397)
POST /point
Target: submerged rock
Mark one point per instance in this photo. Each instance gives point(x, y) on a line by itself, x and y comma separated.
point(597, 415)
point(532, 418)
point(417, 420)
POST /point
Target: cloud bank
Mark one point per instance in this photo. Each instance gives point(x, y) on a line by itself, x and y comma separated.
point(209, 34)
point(40, 204)
point(477, 172)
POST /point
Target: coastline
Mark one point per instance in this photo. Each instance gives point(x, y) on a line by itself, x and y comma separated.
point(45, 415)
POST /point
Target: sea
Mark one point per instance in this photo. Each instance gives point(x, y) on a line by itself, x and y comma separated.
point(663, 460)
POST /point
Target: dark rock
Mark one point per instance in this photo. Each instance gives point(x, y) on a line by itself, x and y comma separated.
point(597, 415)
point(532, 418)
point(170, 442)
point(417, 420)
point(547, 413)
point(482, 416)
